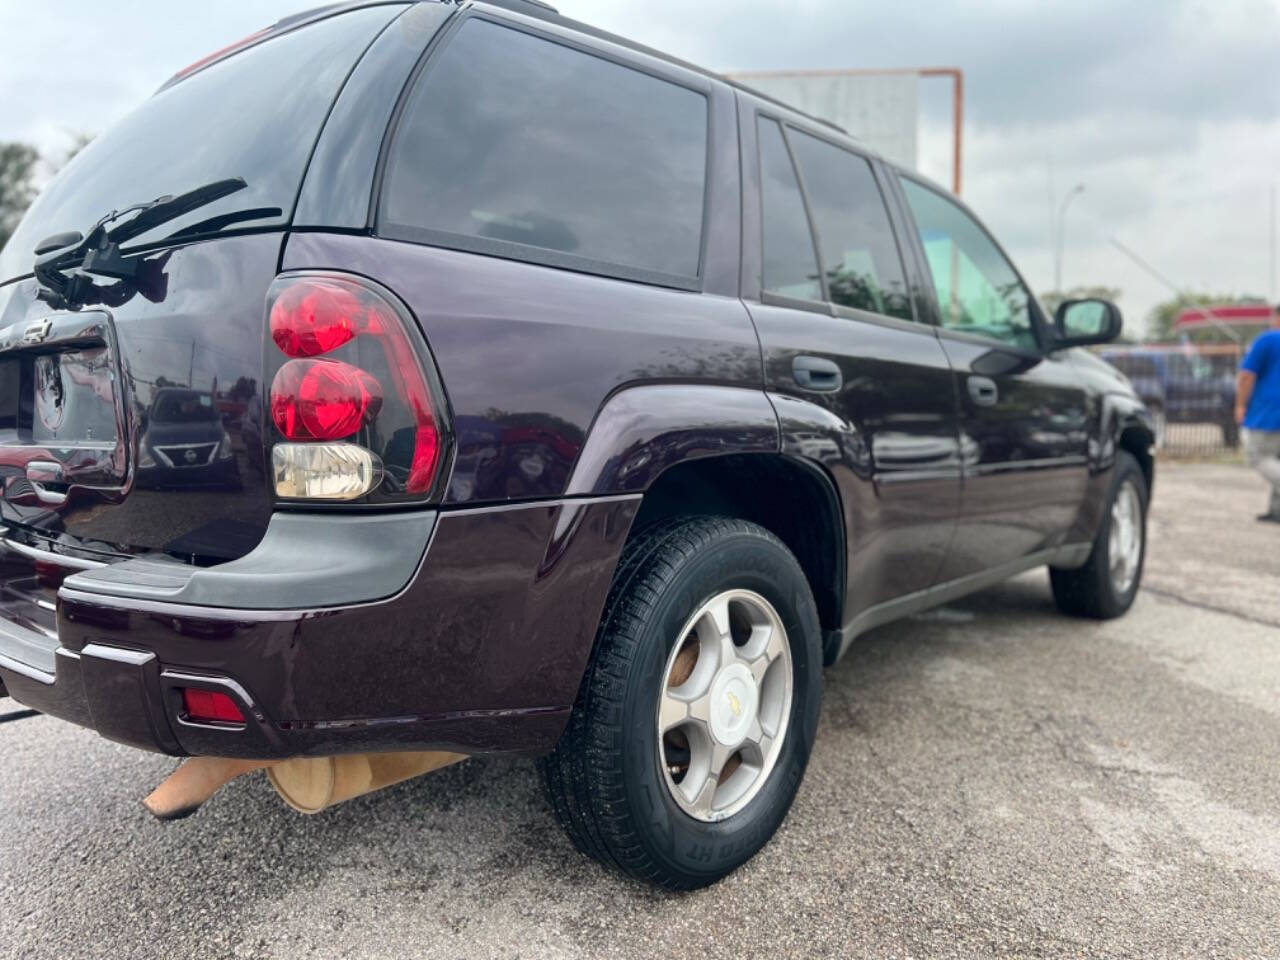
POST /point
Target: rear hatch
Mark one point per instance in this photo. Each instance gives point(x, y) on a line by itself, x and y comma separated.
point(131, 412)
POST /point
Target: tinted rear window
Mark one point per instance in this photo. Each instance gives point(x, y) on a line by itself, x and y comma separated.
point(516, 145)
point(859, 252)
point(790, 262)
point(255, 115)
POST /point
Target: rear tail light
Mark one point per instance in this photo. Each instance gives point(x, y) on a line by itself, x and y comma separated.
point(322, 399)
point(210, 706)
point(352, 397)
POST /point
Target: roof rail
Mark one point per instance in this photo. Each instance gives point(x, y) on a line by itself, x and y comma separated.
point(540, 7)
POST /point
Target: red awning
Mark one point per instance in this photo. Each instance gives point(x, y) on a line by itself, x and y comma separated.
point(1240, 315)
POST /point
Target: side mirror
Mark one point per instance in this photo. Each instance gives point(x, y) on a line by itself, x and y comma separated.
point(1079, 323)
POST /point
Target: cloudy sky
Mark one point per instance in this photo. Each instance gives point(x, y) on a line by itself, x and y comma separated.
point(1168, 111)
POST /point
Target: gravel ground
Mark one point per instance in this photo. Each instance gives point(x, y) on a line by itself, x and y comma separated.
point(989, 779)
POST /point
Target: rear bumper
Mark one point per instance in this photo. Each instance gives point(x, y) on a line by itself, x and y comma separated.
point(479, 649)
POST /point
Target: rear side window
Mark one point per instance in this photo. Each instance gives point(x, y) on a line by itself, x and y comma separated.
point(520, 146)
point(790, 263)
point(859, 252)
point(255, 115)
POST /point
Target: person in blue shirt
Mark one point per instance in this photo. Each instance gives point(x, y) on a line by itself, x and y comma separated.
point(1258, 410)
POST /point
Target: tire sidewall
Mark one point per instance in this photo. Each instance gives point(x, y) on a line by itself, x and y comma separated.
point(691, 847)
point(1127, 470)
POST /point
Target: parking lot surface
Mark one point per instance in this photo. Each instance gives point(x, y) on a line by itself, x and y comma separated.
point(989, 779)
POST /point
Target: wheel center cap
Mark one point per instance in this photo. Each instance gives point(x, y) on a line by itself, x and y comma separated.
point(734, 700)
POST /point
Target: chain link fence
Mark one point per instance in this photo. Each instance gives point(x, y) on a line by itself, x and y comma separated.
point(1191, 391)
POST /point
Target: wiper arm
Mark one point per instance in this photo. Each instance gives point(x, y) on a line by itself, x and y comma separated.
point(214, 224)
point(99, 252)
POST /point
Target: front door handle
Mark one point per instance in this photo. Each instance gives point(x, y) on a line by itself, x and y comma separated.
point(983, 391)
point(816, 374)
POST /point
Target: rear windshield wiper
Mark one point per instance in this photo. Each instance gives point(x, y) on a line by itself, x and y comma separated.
point(98, 253)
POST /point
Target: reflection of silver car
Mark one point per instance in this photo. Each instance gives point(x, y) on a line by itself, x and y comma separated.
point(184, 443)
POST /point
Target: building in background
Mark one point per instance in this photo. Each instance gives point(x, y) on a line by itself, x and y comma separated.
point(879, 108)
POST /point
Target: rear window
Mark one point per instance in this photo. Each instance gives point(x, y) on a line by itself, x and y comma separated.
point(523, 147)
point(859, 252)
point(255, 115)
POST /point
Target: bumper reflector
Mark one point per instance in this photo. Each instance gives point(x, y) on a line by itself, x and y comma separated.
point(210, 705)
point(324, 471)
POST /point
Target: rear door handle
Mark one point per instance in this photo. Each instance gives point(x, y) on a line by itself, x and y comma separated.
point(816, 374)
point(983, 391)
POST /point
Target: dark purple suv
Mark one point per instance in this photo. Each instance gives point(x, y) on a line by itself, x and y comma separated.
point(510, 388)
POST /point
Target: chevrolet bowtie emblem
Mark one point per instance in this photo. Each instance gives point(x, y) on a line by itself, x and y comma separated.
point(735, 705)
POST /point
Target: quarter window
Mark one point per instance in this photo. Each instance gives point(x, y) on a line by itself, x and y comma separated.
point(790, 262)
point(859, 252)
point(520, 146)
point(978, 290)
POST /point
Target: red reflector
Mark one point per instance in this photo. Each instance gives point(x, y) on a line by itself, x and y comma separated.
point(314, 318)
point(210, 705)
point(322, 399)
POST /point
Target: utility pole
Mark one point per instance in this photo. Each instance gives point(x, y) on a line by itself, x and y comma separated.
point(1062, 233)
point(1271, 260)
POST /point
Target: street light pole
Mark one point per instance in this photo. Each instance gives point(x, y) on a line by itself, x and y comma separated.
point(1062, 232)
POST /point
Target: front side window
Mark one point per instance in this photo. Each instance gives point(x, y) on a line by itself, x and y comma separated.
point(518, 145)
point(859, 252)
point(790, 262)
point(978, 290)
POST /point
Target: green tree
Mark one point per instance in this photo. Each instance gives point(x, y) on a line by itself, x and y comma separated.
point(1161, 319)
point(18, 163)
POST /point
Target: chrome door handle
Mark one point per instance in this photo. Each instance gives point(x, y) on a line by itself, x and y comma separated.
point(983, 391)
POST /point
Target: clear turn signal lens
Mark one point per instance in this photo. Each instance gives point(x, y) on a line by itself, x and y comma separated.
point(324, 471)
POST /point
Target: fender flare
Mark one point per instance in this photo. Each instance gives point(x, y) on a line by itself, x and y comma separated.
point(642, 431)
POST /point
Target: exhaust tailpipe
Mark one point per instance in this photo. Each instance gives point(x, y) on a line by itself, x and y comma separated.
point(312, 784)
point(307, 784)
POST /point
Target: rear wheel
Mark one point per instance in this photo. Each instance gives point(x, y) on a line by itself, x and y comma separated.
point(694, 722)
point(1106, 585)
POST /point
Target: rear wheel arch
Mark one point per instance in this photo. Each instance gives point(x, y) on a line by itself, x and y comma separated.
point(792, 498)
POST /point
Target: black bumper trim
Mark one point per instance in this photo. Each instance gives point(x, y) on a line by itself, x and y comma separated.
point(305, 561)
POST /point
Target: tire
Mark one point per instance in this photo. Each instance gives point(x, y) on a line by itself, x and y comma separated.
point(1231, 434)
point(1094, 590)
point(1160, 423)
point(611, 778)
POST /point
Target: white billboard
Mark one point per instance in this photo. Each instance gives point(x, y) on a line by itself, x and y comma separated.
point(877, 109)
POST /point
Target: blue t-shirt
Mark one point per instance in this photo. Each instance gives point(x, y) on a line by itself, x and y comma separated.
point(1263, 361)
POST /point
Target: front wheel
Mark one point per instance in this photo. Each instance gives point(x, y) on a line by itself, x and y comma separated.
point(694, 722)
point(1105, 586)
point(1230, 434)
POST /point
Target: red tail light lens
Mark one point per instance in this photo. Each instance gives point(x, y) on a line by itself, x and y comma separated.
point(311, 319)
point(322, 399)
point(348, 365)
point(210, 706)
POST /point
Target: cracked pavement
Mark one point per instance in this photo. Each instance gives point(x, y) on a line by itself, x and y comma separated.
point(990, 779)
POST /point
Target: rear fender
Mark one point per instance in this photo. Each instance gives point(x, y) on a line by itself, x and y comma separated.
point(643, 431)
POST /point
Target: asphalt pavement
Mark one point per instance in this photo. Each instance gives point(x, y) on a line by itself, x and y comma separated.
point(989, 779)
